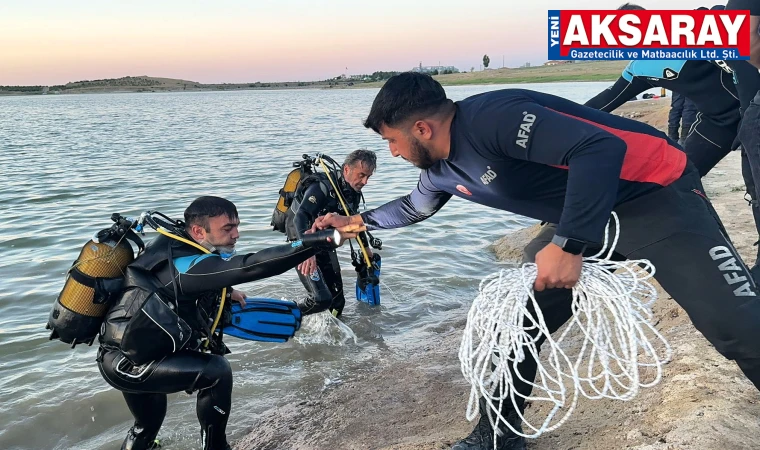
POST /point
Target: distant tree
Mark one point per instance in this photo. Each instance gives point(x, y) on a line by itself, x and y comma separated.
point(435, 72)
point(486, 60)
point(472, 69)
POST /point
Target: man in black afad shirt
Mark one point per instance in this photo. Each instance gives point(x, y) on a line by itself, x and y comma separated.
point(315, 196)
point(709, 84)
point(553, 160)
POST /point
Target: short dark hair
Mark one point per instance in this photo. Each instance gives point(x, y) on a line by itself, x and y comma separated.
point(203, 208)
point(631, 7)
point(366, 157)
point(407, 96)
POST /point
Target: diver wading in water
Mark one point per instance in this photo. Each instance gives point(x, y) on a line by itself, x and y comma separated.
point(163, 329)
point(313, 194)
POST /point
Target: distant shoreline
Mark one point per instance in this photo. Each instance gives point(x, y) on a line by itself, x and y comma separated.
point(579, 72)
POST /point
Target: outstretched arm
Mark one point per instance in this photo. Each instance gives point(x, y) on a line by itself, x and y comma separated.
point(422, 203)
point(624, 89)
point(200, 273)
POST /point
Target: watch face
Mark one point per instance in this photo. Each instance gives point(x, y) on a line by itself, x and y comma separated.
point(573, 246)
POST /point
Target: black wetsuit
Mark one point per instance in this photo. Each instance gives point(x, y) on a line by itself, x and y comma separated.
point(313, 199)
point(199, 280)
point(554, 160)
point(709, 84)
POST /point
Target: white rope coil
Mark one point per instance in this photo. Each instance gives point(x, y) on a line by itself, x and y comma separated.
point(621, 350)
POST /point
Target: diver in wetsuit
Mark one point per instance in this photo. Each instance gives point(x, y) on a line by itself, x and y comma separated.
point(551, 159)
point(709, 84)
point(177, 270)
point(315, 196)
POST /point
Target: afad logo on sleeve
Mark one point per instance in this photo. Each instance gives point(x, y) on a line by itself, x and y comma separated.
point(639, 34)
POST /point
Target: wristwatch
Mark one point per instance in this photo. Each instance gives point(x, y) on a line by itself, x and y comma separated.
point(569, 245)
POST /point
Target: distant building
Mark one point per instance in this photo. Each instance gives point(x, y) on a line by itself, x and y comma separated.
point(527, 64)
point(433, 69)
point(45, 90)
point(556, 63)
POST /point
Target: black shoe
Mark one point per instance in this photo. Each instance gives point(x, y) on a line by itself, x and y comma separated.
point(482, 436)
point(139, 439)
point(310, 306)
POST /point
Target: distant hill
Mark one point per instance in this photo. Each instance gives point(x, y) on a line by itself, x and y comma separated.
point(581, 71)
point(145, 83)
point(128, 82)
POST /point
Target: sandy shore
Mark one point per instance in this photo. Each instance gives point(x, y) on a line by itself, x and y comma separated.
point(417, 400)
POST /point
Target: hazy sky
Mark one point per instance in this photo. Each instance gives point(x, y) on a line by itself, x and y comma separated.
point(57, 41)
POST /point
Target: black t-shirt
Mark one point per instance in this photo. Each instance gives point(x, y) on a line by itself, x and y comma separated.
point(752, 5)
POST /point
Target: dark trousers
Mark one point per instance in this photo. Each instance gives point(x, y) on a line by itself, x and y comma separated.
point(749, 136)
point(677, 229)
point(708, 142)
point(325, 286)
point(683, 113)
point(145, 388)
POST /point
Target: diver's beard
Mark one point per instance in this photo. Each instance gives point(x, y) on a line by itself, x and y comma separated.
point(221, 249)
point(421, 155)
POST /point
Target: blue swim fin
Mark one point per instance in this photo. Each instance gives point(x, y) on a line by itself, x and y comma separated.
point(368, 282)
point(263, 319)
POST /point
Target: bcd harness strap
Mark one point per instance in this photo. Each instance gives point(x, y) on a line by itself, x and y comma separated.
point(168, 234)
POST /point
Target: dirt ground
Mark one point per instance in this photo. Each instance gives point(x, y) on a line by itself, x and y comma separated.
point(417, 400)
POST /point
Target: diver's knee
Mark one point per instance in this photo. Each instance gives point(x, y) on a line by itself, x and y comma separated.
point(217, 371)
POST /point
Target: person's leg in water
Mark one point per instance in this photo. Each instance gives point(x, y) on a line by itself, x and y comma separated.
point(331, 271)
point(145, 388)
point(148, 411)
point(318, 296)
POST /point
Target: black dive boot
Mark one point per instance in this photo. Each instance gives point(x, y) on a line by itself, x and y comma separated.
point(481, 437)
point(310, 305)
point(139, 439)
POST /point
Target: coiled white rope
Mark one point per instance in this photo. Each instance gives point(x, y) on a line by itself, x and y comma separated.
point(620, 353)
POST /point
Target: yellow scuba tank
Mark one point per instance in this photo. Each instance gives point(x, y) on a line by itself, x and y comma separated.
point(287, 193)
point(91, 282)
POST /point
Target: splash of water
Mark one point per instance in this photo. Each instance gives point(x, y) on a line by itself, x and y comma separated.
point(323, 328)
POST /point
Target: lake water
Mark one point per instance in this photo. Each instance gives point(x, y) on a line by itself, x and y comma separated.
point(69, 161)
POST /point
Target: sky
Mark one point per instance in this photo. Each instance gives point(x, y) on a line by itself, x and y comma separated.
point(47, 42)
